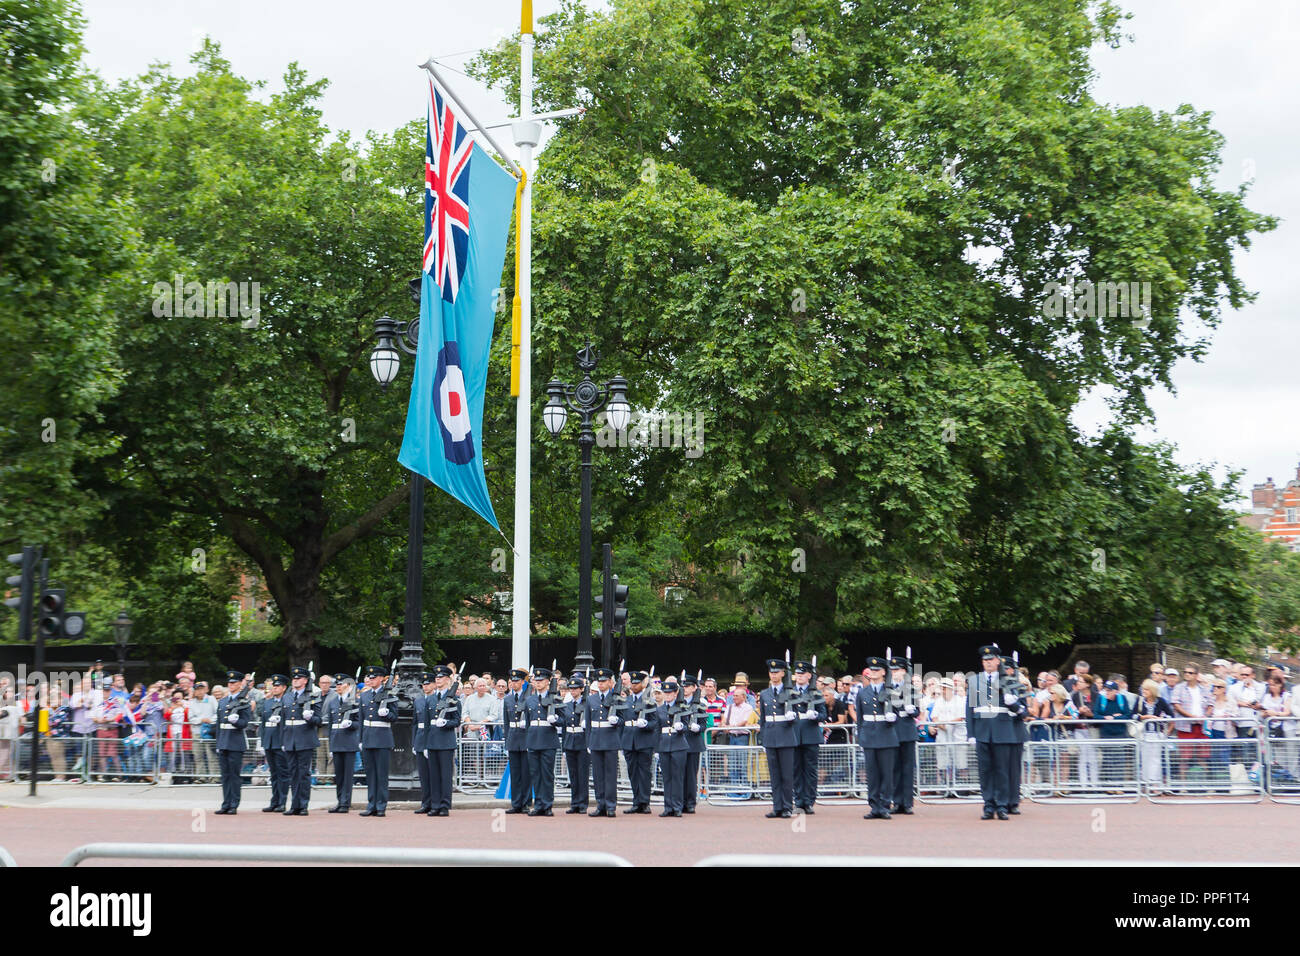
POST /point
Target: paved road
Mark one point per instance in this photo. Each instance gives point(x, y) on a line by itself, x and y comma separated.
point(44, 834)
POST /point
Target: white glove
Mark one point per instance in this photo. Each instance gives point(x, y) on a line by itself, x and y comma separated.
point(613, 722)
point(383, 711)
point(1009, 699)
point(344, 724)
point(679, 726)
point(809, 715)
point(890, 717)
point(440, 722)
point(306, 713)
point(642, 722)
point(909, 710)
point(970, 740)
point(695, 728)
point(552, 719)
point(273, 721)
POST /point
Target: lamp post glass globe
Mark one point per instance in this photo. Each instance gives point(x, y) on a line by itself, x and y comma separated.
point(384, 363)
point(619, 412)
point(122, 629)
point(554, 414)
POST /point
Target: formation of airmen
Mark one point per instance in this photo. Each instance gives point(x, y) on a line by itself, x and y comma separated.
point(591, 726)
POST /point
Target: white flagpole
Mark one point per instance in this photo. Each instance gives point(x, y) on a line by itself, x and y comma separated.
point(527, 134)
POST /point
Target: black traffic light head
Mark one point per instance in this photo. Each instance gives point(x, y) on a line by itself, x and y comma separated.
point(50, 612)
point(26, 561)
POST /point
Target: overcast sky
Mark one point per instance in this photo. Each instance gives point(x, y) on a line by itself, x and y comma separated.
point(1238, 408)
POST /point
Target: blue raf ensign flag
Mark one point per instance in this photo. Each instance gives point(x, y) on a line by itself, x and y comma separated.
point(468, 201)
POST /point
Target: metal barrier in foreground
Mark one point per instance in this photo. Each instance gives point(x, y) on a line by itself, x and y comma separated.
point(1281, 769)
point(776, 859)
point(400, 856)
point(6, 859)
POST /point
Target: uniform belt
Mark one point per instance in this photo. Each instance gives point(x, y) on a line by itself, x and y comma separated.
point(666, 730)
point(575, 730)
point(294, 723)
point(874, 717)
point(229, 727)
point(989, 709)
point(338, 726)
point(377, 723)
point(519, 724)
point(772, 718)
point(421, 726)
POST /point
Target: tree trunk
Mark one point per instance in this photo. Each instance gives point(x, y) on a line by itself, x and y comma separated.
point(815, 630)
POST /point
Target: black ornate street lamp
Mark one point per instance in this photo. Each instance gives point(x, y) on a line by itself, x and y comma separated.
point(122, 637)
point(385, 361)
point(586, 398)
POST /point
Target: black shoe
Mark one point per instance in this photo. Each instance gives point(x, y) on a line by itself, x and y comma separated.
point(671, 813)
point(1014, 811)
point(874, 815)
point(439, 813)
point(289, 813)
point(771, 814)
point(301, 812)
point(273, 809)
point(1002, 815)
point(337, 810)
point(596, 813)
point(220, 813)
point(611, 813)
point(690, 810)
point(808, 810)
point(423, 810)
point(368, 812)
point(905, 811)
point(540, 813)
point(576, 810)
point(987, 815)
point(516, 810)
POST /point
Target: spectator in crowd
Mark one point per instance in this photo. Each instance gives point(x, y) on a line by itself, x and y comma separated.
point(1113, 708)
point(837, 713)
point(742, 680)
point(479, 711)
point(219, 692)
point(187, 672)
point(1189, 699)
point(1152, 710)
point(1084, 699)
point(185, 686)
point(10, 718)
point(1246, 693)
point(625, 681)
point(1059, 719)
point(179, 734)
point(1170, 682)
point(203, 722)
point(1081, 670)
point(948, 724)
point(737, 720)
point(118, 687)
point(1222, 710)
point(107, 715)
point(1273, 706)
point(1122, 683)
point(83, 700)
point(714, 703)
point(1223, 669)
point(59, 736)
point(1156, 672)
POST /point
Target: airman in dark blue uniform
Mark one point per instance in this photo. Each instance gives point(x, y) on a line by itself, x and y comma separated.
point(904, 697)
point(516, 729)
point(233, 713)
point(876, 737)
point(302, 715)
point(697, 717)
point(776, 733)
point(576, 721)
point(543, 711)
point(377, 711)
point(640, 739)
point(672, 747)
point(810, 710)
point(989, 711)
point(443, 711)
point(420, 719)
point(1019, 721)
point(343, 714)
point(270, 717)
point(605, 740)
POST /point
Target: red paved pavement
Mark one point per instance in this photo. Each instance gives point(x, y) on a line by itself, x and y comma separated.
point(43, 836)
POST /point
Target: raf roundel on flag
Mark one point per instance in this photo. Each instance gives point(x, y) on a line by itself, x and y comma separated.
point(468, 201)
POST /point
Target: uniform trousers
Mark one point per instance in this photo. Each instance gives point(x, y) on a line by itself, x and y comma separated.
point(231, 761)
point(344, 761)
point(995, 774)
point(805, 774)
point(278, 766)
point(604, 772)
point(422, 768)
point(880, 777)
point(691, 781)
point(441, 763)
point(374, 762)
point(520, 782)
point(299, 762)
point(905, 774)
point(579, 764)
point(541, 771)
point(638, 772)
point(673, 766)
point(780, 767)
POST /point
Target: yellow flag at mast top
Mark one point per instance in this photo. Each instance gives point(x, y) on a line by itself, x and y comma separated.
point(526, 17)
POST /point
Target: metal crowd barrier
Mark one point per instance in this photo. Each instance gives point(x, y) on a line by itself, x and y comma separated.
point(1281, 773)
point(946, 767)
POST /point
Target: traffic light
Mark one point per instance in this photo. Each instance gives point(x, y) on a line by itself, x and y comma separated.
point(614, 604)
point(54, 620)
point(25, 581)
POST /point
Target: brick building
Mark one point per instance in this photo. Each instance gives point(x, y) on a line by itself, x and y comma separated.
point(1275, 511)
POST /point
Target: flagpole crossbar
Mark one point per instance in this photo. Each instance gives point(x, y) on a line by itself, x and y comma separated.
point(446, 88)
